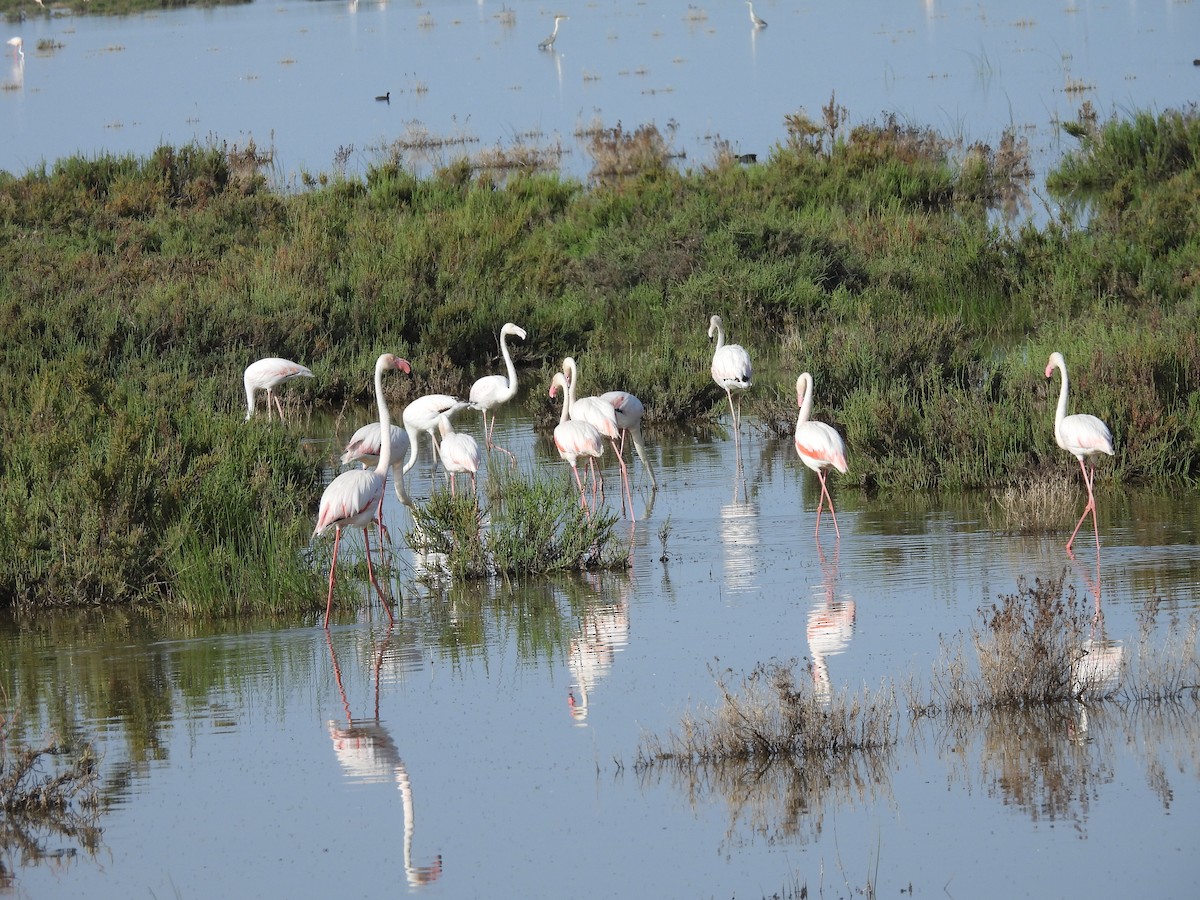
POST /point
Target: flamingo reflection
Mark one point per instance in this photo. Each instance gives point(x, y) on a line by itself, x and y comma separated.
point(603, 631)
point(1096, 671)
point(740, 542)
point(830, 626)
point(368, 754)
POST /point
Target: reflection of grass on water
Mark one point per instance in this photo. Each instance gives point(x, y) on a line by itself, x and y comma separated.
point(45, 792)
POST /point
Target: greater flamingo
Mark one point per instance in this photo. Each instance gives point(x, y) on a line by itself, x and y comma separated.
point(353, 497)
point(1084, 436)
point(266, 375)
point(18, 46)
point(758, 23)
point(730, 369)
point(459, 453)
point(548, 43)
point(363, 447)
point(818, 446)
point(629, 410)
point(574, 438)
point(491, 391)
point(601, 415)
point(421, 416)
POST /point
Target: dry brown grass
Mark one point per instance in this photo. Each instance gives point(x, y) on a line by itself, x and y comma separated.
point(1043, 503)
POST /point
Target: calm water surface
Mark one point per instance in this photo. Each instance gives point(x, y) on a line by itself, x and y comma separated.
point(302, 77)
point(484, 746)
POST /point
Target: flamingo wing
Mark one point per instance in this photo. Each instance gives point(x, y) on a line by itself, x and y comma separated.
point(597, 413)
point(491, 390)
point(350, 499)
point(363, 445)
point(460, 453)
point(629, 409)
point(576, 438)
point(267, 373)
point(1085, 436)
point(731, 367)
point(818, 446)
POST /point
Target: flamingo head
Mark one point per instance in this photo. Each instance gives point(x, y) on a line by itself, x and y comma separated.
point(558, 381)
point(517, 330)
point(396, 362)
point(1056, 361)
point(714, 325)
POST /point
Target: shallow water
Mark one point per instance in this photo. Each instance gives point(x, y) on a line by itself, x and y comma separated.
point(302, 77)
point(486, 744)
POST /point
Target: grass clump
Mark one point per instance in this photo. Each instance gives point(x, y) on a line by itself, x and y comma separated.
point(534, 527)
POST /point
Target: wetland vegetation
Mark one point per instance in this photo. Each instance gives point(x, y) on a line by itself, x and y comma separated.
point(134, 290)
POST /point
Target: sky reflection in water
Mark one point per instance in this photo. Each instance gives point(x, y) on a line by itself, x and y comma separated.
point(486, 743)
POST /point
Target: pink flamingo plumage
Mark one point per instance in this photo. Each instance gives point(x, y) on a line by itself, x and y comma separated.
point(601, 415)
point(629, 410)
point(574, 438)
point(353, 497)
point(1082, 435)
point(818, 446)
point(459, 453)
point(421, 417)
point(730, 369)
point(491, 391)
point(266, 375)
point(364, 446)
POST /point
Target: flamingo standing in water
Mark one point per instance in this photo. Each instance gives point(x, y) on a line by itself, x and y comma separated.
point(266, 375)
point(1082, 435)
point(574, 438)
point(818, 446)
point(629, 410)
point(601, 415)
point(18, 46)
point(353, 498)
point(758, 22)
point(459, 453)
point(730, 369)
point(491, 391)
point(421, 416)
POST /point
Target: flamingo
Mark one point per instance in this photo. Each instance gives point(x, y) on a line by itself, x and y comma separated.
point(353, 497)
point(629, 410)
point(459, 452)
point(758, 23)
point(421, 416)
point(574, 438)
point(730, 369)
point(266, 375)
point(818, 446)
point(492, 390)
point(548, 43)
point(601, 415)
point(363, 447)
point(18, 45)
point(1084, 436)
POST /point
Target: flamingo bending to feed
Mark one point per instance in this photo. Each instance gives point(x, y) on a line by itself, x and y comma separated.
point(574, 438)
point(491, 391)
point(459, 453)
point(818, 446)
point(266, 375)
point(421, 416)
point(1084, 436)
point(629, 410)
point(730, 369)
point(353, 497)
point(601, 415)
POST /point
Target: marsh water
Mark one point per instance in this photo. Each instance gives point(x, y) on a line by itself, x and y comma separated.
point(486, 745)
point(301, 77)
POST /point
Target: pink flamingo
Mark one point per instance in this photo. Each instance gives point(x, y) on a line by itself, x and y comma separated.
point(459, 453)
point(266, 375)
point(353, 497)
point(1082, 435)
point(421, 416)
point(491, 391)
point(363, 447)
point(818, 446)
point(601, 415)
point(629, 410)
point(730, 369)
point(574, 438)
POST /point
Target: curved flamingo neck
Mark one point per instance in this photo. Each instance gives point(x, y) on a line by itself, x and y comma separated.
point(804, 397)
point(385, 421)
point(508, 361)
point(720, 334)
point(570, 372)
point(1061, 412)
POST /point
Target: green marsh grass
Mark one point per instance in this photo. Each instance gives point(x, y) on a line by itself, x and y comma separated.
point(134, 290)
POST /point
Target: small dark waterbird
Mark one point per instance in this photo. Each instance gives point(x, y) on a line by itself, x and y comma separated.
point(385, 98)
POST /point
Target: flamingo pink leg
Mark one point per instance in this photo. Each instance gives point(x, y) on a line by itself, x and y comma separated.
point(337, 539)
point(825, 496)
point(371, 573)
point(1090, 507)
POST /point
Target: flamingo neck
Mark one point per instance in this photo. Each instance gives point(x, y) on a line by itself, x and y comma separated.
point(508, 362)
point(385, 423)
point(572, 377)
point(1061, 412)
point(804, 395)
point(720, 336)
